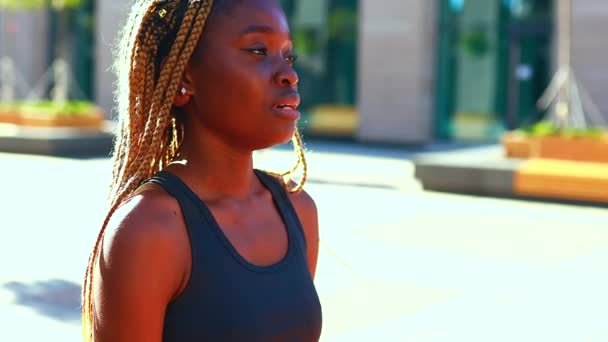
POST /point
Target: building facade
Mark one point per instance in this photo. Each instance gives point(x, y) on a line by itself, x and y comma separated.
point(400, 71)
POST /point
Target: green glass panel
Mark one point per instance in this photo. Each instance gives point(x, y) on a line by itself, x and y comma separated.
point(83, 55)
point(444, 71)
point(72, 32)
point(493, 59)
point(476, 63)
point(325, 36)
point(532, 45)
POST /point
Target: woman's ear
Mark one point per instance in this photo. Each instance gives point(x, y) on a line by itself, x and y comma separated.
point(184, 92)
point(182, 96)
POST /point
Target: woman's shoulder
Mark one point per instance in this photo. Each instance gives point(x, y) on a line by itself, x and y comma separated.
point(142, 265)
point(148, 211)
point(306, 209)
point(146, 239)
point(303, 202)
point(304, 205)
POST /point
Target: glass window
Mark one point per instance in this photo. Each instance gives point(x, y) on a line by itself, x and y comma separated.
point(72, 31)
point(67, 35)
point(492, 66)
point(325, 34)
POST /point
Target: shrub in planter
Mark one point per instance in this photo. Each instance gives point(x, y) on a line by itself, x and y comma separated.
point(68, 114)
point(544, 140)
point(17, 5)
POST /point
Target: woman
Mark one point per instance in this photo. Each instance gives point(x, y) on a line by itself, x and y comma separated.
point(198, 245)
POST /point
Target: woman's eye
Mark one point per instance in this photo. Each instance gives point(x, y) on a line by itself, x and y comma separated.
point(264, 52)
point(291, 58)
point(259, 51)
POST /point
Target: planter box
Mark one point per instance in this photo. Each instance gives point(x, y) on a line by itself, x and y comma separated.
point(8, 116)
point(46, 114)
point(73, 121)
point(518, 145)
point(556, 147)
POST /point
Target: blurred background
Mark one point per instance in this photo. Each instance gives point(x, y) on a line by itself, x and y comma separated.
point(458, 156)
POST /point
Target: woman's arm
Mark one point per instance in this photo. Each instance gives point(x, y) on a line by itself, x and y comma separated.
point(307, 213)
point(140, 269)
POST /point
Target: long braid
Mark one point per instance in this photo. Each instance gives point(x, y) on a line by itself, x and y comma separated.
point(299, 147)
point(160, 106)
point(142, 80)
point(141, 127)
point(125, 148)
point(142, 146)
point(188, 48)
point(287, 177)
point(125, 86)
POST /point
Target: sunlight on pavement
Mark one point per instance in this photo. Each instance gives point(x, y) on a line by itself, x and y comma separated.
point(396, 263)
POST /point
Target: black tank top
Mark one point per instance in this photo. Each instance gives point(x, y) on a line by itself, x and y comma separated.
point(229, 299)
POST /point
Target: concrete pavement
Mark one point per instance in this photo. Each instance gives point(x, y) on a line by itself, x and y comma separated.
point(396, 263)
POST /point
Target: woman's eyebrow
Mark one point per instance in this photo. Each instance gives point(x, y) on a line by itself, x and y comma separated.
point(251, 29)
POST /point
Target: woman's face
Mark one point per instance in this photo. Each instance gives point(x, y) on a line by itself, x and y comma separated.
point(241, 76)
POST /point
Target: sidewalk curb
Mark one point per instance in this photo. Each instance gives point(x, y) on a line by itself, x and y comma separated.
point(55, 141)
point(488, 173)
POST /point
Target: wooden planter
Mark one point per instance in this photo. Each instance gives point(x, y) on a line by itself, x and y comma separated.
point(556, 147)
point(518, 145)
point(94, 121)
point(42, 114)
point(8, 116)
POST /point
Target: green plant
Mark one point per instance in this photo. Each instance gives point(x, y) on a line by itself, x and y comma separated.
point(39, 4)
point(49, 108)
point(343, 24)
point(475, 42)
point(546, 128)
point(306, 41)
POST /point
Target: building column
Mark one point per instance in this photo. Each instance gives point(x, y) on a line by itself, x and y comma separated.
point(395, 72)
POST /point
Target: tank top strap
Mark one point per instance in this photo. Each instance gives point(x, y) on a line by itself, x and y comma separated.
point(284, 204)
point(172, 185)
point(189, 204)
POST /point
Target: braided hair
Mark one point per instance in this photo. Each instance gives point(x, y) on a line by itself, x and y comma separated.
point(154, 49)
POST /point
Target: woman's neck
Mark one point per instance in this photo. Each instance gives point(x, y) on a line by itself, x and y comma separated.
point(215, 168)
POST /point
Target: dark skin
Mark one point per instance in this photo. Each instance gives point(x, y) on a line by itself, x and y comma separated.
point(240, 71)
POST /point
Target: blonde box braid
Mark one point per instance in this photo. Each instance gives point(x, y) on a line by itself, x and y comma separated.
point(145, 143)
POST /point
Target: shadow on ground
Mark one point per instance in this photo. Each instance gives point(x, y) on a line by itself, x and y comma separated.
point(395, 151)
point(57, 299)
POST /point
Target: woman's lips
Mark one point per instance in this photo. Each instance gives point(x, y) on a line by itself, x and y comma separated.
point(287, 105)
point(289, 112)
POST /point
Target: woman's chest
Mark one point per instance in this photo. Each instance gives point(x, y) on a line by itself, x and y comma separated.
point(258, 234)
point(237, 304)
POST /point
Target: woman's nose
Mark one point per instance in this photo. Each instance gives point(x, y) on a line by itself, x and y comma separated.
point(286, 76)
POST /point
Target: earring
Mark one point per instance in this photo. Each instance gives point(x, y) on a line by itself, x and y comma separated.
point(183, 91)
